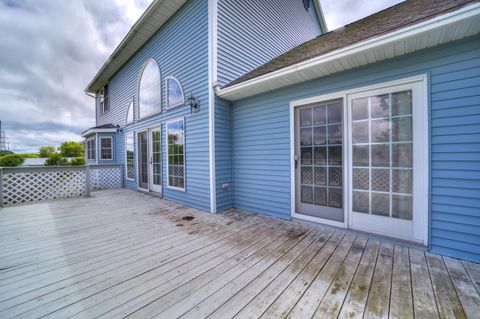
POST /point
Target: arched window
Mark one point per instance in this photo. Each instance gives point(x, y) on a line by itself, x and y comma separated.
point(149, 92)
point(129, 113)
point(174, 92)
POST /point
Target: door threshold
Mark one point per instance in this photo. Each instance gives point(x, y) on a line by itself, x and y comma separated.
point(382, 238)
point(154, 194)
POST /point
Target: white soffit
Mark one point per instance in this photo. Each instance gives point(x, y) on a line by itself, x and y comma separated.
point(156, 15)
point(442, 29)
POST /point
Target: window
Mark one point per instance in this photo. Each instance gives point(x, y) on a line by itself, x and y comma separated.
point(130, 156)
point(149, 93)
point(104, 99)
point(176, 154)
point(129, 113)
point(106, 148)
point(91, 149)
point(174, 92)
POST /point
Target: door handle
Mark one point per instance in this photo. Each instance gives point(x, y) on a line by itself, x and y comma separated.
point(295, 157)
point(151, 160)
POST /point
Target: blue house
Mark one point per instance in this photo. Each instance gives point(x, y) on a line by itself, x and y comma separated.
point(373, 127)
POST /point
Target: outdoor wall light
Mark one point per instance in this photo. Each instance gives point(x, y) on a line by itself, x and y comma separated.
point(119, 129)
point(194, 105)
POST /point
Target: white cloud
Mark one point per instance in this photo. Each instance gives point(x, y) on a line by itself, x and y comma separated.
point(341, 12)
point(51, 49)
point(49, 52)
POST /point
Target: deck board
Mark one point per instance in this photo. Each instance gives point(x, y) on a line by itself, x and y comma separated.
point(125, 254)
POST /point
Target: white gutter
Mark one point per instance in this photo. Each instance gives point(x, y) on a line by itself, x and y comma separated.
point(243, 88)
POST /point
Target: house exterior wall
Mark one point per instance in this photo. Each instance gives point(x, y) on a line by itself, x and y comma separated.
point(261, 141)
point(180, 49)
point(223, 154)
point(252, 32)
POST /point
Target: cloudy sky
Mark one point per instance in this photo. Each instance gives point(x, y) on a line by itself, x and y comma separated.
point(51, 49)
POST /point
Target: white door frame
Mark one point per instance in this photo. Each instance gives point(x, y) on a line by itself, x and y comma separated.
point(421, 149)
point(150, 187)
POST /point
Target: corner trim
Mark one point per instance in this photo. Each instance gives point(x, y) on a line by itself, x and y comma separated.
point(212, 74)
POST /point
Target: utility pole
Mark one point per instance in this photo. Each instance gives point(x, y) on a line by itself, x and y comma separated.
point(3, 143)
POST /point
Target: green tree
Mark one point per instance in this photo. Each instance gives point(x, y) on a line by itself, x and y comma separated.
point(77, 161)
point(11, 160)
point(72, 149)
point(29, 155)
point(46, 151)
point(5, 152)
point(56, 160)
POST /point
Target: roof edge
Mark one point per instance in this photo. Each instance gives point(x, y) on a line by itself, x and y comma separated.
point(466, 12)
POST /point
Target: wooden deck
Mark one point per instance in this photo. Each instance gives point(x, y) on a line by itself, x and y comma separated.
point(125, 254)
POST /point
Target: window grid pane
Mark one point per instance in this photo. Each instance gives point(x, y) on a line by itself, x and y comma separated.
point(321, 158)
point(130, 156)
point(382, 145)
point(105, 148)
point(176, 154)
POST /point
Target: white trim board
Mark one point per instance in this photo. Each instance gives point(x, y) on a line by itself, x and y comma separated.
point(212, 76)
point(421, 155)
point(397, 43)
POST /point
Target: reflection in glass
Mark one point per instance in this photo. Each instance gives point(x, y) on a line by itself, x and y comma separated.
point(335, 155)
point(319, 115)
point(402, 207)
point(380, 155)
point(306, 117)
point(320, 155)
point(360, 155)
point(380, 204)
point(381, 180)
point(380, 131)
point(150, 90)
point(306, 156)
point(335, 134)
point(320, 196)
point(360, 109)
point(320, 135)
point(174, 93)
point(361, 178)
point(334, 113)
point(402, 103)
point(361, 202)
point(402, 129)
point(402, 155)
point(360, 132)
point(305, 136)
point(307, 194)
point(379, 106)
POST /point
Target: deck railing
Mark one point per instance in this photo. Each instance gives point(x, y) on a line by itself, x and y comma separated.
point(23, 185)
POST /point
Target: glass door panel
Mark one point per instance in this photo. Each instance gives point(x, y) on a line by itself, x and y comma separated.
point(155, 161)
point(383, 142)
point(319, 161)
point(143, 160)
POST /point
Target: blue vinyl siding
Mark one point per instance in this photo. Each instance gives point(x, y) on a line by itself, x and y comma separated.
point(261, 146)
point(223, 153)
point(252, 32)
point(180, 48)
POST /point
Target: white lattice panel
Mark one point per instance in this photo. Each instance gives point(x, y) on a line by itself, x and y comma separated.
point(34, 186)
point(106, 178)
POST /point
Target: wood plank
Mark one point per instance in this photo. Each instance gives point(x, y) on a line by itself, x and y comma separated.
point(379, 296)
point(466, 291)
point(473, 271)
point(356, 299)
point(306, 306)
point(136, 268)
point(448, 304)
point(267, 296)
point(215, 300)
point(282, 306)
point(401, 299)
point(161, 298)
point(424, 303)
point(332, 302)
point(243, 296)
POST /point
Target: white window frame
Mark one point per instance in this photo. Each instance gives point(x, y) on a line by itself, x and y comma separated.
point(166, 94)
point(88, 149)
point(102, 98)
point(421, 155)
point(132, 134)
point(139, 102)
point(101, 148)
point(168, 155)
point(130, 109)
